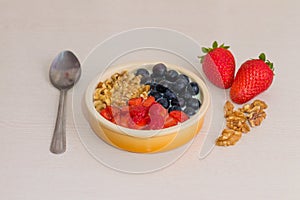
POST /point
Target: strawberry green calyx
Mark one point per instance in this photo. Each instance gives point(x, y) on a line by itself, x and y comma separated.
point(262, 57)
point(214, 46)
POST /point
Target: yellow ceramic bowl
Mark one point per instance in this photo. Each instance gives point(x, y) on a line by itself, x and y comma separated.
point(146, 141)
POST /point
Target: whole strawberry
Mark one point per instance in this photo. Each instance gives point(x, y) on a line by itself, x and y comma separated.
point(253, 77)
point(218, 65)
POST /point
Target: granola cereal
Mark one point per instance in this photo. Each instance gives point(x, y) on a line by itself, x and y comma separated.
point(118, 89)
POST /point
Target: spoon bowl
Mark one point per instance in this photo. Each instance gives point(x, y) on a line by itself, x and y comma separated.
point(64, 72)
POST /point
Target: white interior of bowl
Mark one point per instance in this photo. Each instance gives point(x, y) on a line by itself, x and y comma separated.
point(205, 100)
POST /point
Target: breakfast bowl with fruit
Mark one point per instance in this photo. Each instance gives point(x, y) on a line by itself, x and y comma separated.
point(146, 107)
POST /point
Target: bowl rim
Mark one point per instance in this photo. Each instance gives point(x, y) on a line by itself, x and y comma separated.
point(88, 100)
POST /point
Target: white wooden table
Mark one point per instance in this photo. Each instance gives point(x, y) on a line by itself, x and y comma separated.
point(265, 164)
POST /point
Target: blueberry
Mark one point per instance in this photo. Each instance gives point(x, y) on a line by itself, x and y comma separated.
point(175, 102)
point(160, 88)
point(142, 72)
point(155, 94)
point(184, 77)
point(164, 102)
point(178, 102)
point(170, 95)
point(181, 102)
point(146, 80)
point(156, 79)
point(159, 69)
point(189, 111)
point(171, 75)
point(153, 76)
point(186, 94)
point(153, 86)
point(193, 103)
point(171, 86)
point(172, 108)
point(179, 85)
point(165, 83)
point(190, 89)
point(194, 88)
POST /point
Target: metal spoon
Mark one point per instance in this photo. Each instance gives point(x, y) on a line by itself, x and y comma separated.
point(64, 73)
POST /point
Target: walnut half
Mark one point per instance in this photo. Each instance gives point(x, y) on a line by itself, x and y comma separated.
point(229, 137)
point(237, 121)
point(228, 109)
point(256, 118)
point(255, 112)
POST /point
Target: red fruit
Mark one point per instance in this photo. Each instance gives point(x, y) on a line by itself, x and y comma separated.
point(218, 65)
point(156, 122)
point(156, 109)
point(124, 119)
point(179, 115)
point(131, 124)
point(106, 113)
point(124, 109)
point(135, 101)
point(116, 113)
point(111, 113)
point(253, 77)
point(149, 101)
point(141, 121)
point(170, 121)
point(139, 115)
point(137, 111)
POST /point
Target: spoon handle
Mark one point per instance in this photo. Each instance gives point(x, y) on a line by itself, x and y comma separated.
point(58, 144)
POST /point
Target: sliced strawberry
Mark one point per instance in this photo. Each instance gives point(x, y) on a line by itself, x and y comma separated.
point(106, 113)
point(135, 101)
point(157, 110)
point(138, 111)
point(170, 121)
point(141, 121)
point(131, 124)
point(179, 115)
point(116, 117)
point(156, 122)
point(149, 101)
point(124, 118)
point(116, 113)
point(139, 115)
point(111, 113)
point(137, 123)
point(124, 109)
